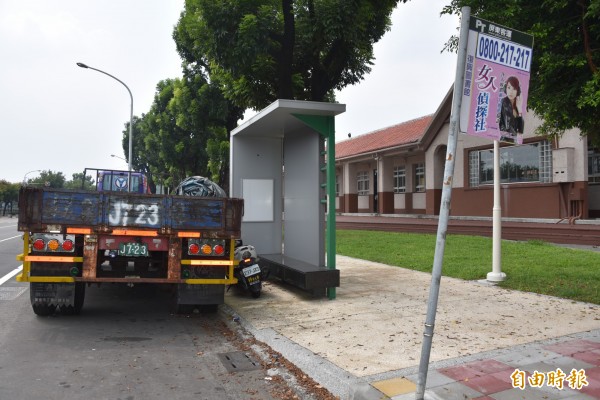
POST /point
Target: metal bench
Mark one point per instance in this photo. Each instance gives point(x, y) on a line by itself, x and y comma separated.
point(311, 278)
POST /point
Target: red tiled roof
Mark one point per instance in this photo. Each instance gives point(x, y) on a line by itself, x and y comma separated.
point(396, 135)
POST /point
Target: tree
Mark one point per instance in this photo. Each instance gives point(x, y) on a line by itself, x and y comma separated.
point(171, 141)
point(9, 193)
point(565, 82)
point(49, 179)
point(78, 182)
point(262, 50)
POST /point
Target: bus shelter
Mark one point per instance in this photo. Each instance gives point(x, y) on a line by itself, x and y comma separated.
point(279, 166)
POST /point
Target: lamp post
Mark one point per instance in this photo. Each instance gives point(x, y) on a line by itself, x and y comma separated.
point(82, 65)
point(30, 172)
point(115, 156)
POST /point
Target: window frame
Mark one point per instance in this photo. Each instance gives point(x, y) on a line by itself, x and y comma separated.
point(419, 174)
point(400, 178)
point(362, 183)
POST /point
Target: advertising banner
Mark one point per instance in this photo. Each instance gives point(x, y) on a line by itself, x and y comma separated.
point(496, 83)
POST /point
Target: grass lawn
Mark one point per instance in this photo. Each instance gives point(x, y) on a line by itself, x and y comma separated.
point(532, 266)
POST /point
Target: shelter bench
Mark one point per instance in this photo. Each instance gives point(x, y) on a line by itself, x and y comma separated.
point(308, 277)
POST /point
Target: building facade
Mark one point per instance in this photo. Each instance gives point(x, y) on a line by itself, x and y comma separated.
point(400, 169)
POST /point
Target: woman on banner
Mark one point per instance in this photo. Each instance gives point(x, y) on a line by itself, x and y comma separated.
point(510, 118)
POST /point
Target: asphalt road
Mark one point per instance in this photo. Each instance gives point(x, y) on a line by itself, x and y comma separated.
point(124, 345)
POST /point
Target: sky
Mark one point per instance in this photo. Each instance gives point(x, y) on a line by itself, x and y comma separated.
point(59, 117)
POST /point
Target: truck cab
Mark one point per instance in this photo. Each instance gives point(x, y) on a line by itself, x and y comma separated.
point(118, 180)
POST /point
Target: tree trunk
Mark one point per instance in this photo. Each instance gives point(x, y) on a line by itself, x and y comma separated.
point(285, 90)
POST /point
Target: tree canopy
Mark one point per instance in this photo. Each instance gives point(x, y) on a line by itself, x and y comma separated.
point(565, 82)
point(171, 141)
point(262, 50)
point(240, 54)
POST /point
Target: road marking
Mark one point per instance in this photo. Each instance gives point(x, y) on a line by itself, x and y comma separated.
point(8, 226)
point(11, 274)
point(14, 237)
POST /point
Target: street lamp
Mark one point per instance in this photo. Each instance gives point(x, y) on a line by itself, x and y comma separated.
point(30, 172)
point(115, 156)
point(82, 65)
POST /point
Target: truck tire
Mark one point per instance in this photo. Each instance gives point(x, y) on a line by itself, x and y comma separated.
point(43, 309)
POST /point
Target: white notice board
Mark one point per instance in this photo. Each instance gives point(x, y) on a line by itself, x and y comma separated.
point(258, 200)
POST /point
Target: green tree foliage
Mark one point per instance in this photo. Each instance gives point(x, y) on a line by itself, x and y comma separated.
point(171, 140)
point(9, 194)
point(49, 178)
point(262, 50)
point(565, 81)
point(78, 182)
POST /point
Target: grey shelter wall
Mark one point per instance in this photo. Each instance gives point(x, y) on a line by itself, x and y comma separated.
point(304, 212)
point(259, 158)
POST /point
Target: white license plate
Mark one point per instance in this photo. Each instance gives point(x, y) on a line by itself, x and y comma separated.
point(251, 270)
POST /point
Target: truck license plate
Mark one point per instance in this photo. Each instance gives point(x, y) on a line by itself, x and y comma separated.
point(251, 270)
point(133, 249)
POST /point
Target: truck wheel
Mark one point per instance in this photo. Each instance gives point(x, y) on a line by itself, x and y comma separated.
point(43, 309)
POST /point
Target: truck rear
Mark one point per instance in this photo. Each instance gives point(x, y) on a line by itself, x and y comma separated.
point(74, 238)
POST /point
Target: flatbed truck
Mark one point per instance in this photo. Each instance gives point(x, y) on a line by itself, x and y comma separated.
point(76, 238)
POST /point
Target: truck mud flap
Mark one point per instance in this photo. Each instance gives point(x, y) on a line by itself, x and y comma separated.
point(46, 298)
point(55, 294)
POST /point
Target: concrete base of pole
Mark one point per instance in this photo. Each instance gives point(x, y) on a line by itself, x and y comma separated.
point(496, 276)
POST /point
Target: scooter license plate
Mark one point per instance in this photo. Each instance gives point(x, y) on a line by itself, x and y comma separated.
point(251, 270)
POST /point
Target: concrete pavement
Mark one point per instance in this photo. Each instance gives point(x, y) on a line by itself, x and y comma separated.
point(366, 344)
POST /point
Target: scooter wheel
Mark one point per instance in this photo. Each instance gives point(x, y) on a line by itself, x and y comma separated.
point(256, 294)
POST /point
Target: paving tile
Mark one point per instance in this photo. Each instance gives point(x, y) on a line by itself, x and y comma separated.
point(434, 378)
point(453, 391)
point(590, 357)
point(568, 363)
point(526, 356)
point(593, 373)
point(488, 384)
point(593, 389)
point(573, 346)
point(459, 372)
point(489, 366)
point(527, 394)
point(395, 386)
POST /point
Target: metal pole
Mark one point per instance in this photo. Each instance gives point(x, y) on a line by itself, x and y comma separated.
point(82, 65)
point(436, 273)
point(331, 245)
point(496, 275)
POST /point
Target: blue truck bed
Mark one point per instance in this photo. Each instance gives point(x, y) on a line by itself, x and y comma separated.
point(47, 209)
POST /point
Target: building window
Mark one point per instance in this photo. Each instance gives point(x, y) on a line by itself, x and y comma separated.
point(419, 177)
point(337, 185)
point(400, 179)
point(518, 164)
point(362, 180)
point(593, 164)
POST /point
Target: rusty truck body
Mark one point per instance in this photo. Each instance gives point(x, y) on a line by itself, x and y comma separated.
point(74, 238)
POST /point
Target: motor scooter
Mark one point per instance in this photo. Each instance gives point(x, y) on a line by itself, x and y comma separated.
point(248, 272)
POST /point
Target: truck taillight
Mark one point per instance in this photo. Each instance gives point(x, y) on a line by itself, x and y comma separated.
point(219, 250)
point(206, 249)
point(67, 245)
point(39, 244)
point(193, 248)
point(53, 244)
